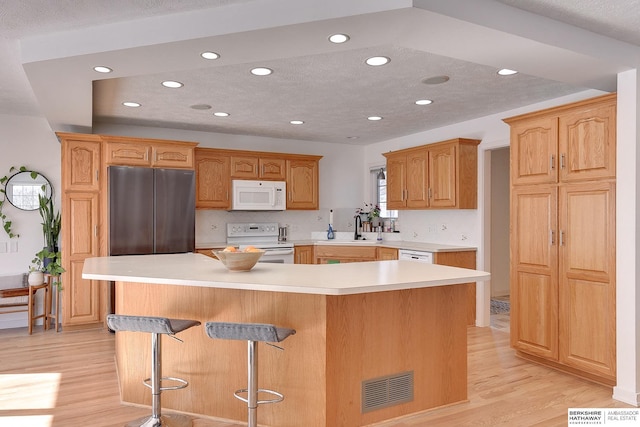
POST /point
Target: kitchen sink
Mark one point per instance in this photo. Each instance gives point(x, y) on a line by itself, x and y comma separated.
point(347, 242)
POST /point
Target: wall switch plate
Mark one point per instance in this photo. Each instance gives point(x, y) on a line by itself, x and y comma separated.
point(13, 246)
point(3, 247)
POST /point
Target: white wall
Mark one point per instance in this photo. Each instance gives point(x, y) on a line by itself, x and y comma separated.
point(499, 207)
point(25, 141)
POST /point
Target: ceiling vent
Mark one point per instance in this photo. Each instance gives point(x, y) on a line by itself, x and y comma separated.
point(387, 391)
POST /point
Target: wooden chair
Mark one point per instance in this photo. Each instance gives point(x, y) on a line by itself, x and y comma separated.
point(30, 292)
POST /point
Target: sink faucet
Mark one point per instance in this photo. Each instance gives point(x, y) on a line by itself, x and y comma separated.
point(356, 234)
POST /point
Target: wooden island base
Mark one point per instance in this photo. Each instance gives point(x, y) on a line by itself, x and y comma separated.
point(341, 341)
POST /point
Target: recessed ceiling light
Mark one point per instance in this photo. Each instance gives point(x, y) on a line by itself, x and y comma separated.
point(131, 104)
point(507, 72)
point(221, 114)
point(338, 38)
point(424, 101)
point(102, 69)
point(374, 118)
point(172, 84)
point(376, 61)
point(210, 55)
point(201, 107)
point(296, 122)
point(353, 137)
point(436, 80)
point(261, 71)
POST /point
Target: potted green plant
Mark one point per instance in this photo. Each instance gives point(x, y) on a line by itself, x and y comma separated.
point(38, 268)
point(36, 271)
point(50, 222)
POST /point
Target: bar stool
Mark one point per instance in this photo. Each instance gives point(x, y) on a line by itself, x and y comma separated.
point(252, 333)
point(155, 326)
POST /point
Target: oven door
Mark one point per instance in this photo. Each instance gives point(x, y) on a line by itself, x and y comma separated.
point(278, 256)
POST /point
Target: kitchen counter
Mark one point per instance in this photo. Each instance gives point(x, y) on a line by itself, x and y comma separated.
point(344, 279)
point(397, 244)
point(354, 322)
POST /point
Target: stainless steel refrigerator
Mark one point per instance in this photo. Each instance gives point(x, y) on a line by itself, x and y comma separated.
point(151, 211)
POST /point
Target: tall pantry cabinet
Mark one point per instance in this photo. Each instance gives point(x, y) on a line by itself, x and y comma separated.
point(563, 237)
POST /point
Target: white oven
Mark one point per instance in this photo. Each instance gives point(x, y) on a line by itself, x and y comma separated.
point(262, 235)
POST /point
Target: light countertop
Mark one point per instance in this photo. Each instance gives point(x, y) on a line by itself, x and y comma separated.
point(397, 244)
point(324, 279)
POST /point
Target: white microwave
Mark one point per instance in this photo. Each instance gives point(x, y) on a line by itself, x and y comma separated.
point(258, 195)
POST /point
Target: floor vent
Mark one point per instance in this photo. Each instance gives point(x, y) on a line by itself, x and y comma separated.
point(387, 391)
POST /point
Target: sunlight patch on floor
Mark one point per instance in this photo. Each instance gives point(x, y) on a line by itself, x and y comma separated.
point(28, 391)
point(27, 421)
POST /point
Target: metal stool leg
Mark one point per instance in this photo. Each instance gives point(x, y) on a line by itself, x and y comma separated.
point(252, 386)
point(157, 419)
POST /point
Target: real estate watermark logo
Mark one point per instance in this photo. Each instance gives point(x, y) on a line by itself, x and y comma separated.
point(603, 416)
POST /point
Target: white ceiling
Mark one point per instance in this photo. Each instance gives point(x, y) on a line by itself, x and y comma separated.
point(48, 50)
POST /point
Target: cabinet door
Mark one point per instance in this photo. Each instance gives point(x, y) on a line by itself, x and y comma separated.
point(244, 167)
point(442, 176)
point(302, 184)
point(128, 154)
point(587, 277)
point(212, 181)
point(81, 297)
point(172, 156)
point(534, 151)
point(588, 143)
point(303, 254)
point(80, 165)
point(396, 181)
point(463, 259)
point(387, 254)
point(273, 169)
point(534, 271)
point(416, 181)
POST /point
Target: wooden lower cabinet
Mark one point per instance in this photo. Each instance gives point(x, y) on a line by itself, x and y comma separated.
point(82, 298)
point(463, 259)
point(329, 254)
point(387, 254)
point(563, 277)
point(303, 254)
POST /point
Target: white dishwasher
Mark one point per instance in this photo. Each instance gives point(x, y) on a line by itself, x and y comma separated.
point(418, 256)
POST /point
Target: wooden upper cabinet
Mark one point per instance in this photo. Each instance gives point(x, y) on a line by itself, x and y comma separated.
point(172, 156)
point(243, 167)
point(440, 175)
point(302, 184)
point(148, 152)
point(587, 142)
point(534, 151)
point(128, 154)
point(396, 180)
point(213, 183)
point(80, 162)
point(574, 142)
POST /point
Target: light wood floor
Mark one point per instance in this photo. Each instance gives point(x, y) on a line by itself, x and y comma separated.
point(68, 379)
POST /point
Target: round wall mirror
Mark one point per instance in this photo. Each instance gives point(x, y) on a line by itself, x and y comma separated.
point(22, 190)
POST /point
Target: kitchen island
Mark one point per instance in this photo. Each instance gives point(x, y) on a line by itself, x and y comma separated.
point(379, 323)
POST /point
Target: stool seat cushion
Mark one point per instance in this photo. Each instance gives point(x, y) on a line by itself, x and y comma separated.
point(247, 331)
point(153, 325)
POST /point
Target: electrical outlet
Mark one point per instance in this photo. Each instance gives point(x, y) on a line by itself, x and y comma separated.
point(214, 227)
point(432, 228)
point(463, 237)
point(443, 227)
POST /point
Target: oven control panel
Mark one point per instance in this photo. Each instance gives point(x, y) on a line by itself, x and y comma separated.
point(253, 229)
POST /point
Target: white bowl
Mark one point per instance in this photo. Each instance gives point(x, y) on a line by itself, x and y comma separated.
point(239, 261)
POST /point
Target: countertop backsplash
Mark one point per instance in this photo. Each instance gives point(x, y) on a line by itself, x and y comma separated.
point(452, 227)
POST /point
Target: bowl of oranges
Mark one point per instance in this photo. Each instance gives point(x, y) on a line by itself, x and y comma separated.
point(239, 260)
